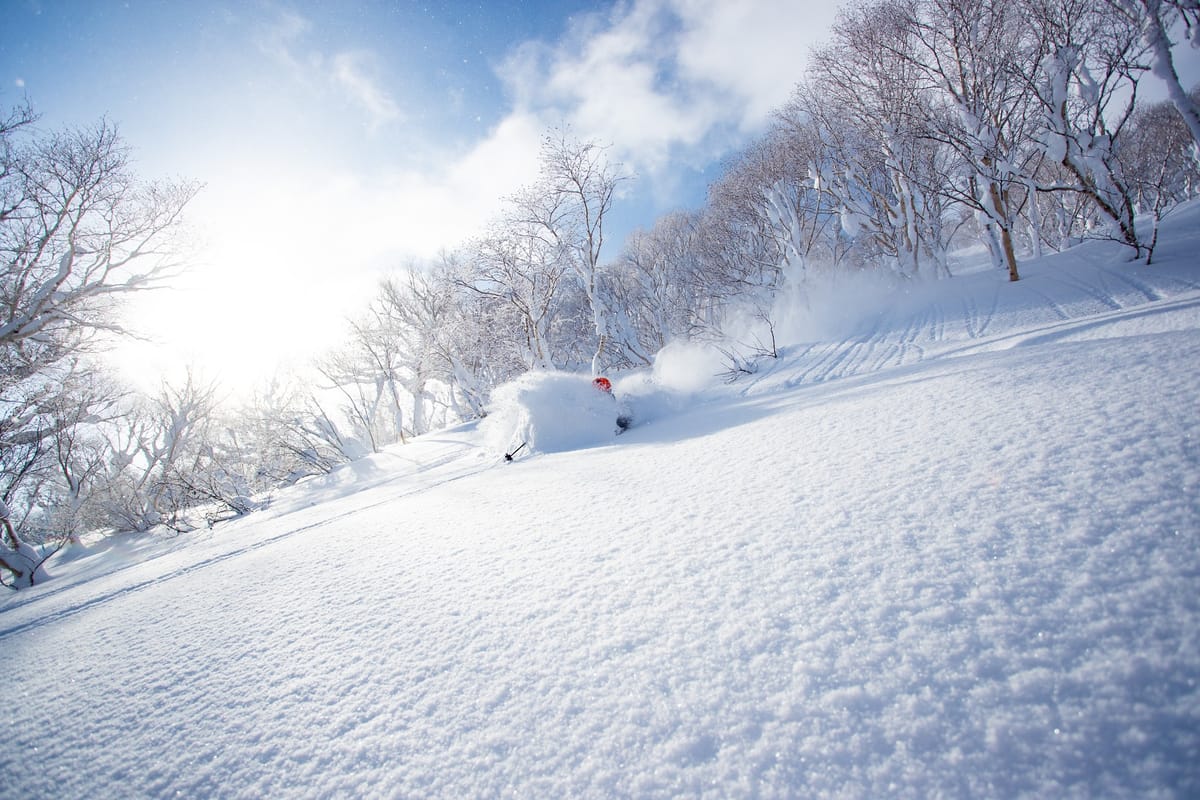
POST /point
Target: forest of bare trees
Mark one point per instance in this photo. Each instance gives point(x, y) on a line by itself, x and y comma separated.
point(921, 127)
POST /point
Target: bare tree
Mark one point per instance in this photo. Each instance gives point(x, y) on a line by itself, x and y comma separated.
point(473, 360)
point(473, 336)
point(78, 410)
point(416, 308)
point(516, 265)
point(158, 447)
point(741, 251)
point(364, 374)
point(289, 430)
point(569, 206)
point(78, 231)
point(656, 267)
point(412, 344)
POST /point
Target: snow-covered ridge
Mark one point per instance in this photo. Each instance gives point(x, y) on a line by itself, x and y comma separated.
point(952, 551)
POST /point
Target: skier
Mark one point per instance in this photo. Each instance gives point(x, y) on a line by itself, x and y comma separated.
point(624, 418)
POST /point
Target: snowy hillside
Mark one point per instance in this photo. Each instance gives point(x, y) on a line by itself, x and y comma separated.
point(951, 549)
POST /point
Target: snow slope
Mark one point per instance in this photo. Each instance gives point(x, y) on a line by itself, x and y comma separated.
point(954, 552)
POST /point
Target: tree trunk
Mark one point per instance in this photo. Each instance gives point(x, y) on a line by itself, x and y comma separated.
point(1006, 242)
point(16, 572)
point(1009, 254)
point(12, 534)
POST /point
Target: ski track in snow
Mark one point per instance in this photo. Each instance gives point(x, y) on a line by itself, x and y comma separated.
point(940, 327)
point(230, 548)
point(957, 555)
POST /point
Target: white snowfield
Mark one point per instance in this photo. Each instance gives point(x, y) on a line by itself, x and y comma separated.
point(954, 552)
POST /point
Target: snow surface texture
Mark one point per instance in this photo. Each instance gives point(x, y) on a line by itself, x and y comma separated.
point(955, 554)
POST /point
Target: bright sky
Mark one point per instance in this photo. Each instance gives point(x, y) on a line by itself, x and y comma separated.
point(338, 141)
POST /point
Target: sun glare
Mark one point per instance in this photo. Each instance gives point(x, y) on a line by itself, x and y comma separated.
point(268, 288)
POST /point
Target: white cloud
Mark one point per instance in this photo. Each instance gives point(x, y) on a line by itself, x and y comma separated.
point(279, 38)
point(607, 79)
point(353, 72)
point(754, 51)
point(668, 79)
point(501, 163)
point(663, 81)
point(620, 88)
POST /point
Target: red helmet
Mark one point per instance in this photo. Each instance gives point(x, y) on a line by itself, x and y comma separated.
point(603, 384)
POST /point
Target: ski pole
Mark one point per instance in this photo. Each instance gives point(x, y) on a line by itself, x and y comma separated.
point(509, 456)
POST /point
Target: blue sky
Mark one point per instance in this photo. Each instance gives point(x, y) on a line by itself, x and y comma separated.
point(190, 69)
point(338, 141)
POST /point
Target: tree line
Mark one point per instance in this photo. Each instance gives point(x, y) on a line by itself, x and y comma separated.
point(921, 125)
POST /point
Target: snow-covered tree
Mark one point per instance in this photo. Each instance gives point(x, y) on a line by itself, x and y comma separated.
point(82, 406)
point(20, 563)
point(972, 54)
point(158, 447)
point(1157, 20)
point(741, 253)
point(869, 101)
point(449, 358)
point(474, 339)
point(1158, 161)
point(1086, 84)
point(289, 432)
point(365, 374)
point(568, 206)
point(516, 265)
point(656, 270)
point(414, 307)
point(78, 232)
point(1056, 219)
